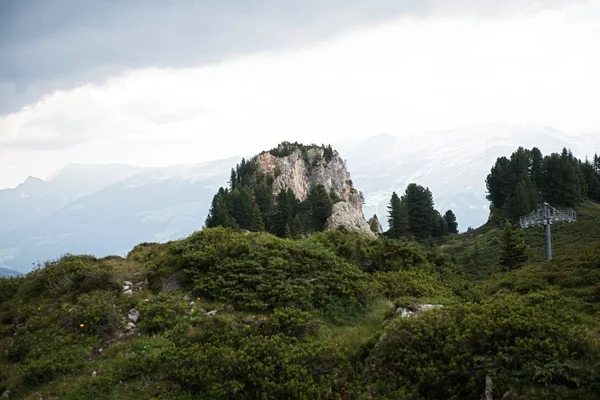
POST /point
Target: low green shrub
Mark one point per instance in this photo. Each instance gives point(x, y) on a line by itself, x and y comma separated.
point(447, 353)
point(96, 312)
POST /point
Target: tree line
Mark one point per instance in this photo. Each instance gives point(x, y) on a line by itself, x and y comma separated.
point(518, 184)
point(414, 215)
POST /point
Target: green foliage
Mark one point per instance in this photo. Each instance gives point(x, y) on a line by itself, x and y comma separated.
point(250, 204)
point(95, 312)
point(397, 218)
point(447, 353)
point(321, 207)
point(516, 185)
point(414, 215)
point(513, 250)
point(261, 272)
point(161, 313)
point(310, 318)
point(69, 275)
point(451, 223)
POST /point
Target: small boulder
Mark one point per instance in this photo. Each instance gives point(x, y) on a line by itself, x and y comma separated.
point(133, 315)
point(416, 309)
point(126, 287)
point(130, 326)
point(403, 312)
point(213, 312)
point(94, 373)
point(5, 395)
point(129, 291)
point(128, 283)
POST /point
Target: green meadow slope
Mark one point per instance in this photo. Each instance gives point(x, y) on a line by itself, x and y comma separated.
point(228, 315)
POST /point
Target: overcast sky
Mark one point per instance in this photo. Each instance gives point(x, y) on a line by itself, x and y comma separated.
point(156, 83)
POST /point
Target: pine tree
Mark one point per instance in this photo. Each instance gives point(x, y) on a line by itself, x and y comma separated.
point(563, 180)
point(513, 250)
point(592, 181)
point(397, 218)
point(450, 219)
point(297, 230)
point(500, 182)
point(233, 180)
point(523, 200)
point(219, 215)
point(321, 207)
point(440, 226)
point(287, 208)
point(537, 168)
point(245, 211)
point(421, 214)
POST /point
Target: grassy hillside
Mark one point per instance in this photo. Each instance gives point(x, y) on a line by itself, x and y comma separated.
point(252, 316)
point(479, 251)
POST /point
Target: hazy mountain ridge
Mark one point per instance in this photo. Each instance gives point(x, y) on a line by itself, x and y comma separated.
point(118, 206)
point(453, 166)
point(158, 204)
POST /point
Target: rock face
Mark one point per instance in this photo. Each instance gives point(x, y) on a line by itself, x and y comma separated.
point(302, 170)
point(375, 225)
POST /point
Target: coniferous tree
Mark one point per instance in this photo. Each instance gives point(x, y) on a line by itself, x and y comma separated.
point(440, 227)
point(245, 211)
point(233, 180)
point(297, 230)
point(219, 215)
point(421, 214)
point(513, 250)
point(397, 217)
point(563, 184)
point(287, 208)
point(523, 200)
point(500, 182)
point(321, 206)
point(537, 168)
point(450, 219)
point(592, 181)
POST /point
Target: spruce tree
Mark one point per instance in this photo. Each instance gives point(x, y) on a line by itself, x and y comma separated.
point(537, 168)
point(592, 181)
point(219, 215)
point(440, 226)
point(287, 208)
point(297, 230)
point(523, 200)
point(397, 218)
point(245, 211)
point(513, 251)
point(321, 206)
point(450, 219)
point(421, 214)
point(563, 181)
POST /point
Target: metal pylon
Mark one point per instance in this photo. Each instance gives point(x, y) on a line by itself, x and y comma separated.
point(546, 215)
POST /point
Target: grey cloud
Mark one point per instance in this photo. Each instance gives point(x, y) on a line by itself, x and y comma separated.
point(58, 44)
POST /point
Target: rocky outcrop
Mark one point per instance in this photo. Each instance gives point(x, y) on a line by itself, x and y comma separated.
point(375, 225)
point(305, 168)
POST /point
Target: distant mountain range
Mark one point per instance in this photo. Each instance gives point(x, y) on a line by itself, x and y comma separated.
point(5, 272)
point(453, 164)
point(108, 209)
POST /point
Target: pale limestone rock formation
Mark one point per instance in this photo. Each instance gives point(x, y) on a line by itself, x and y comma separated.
point(300, 171)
